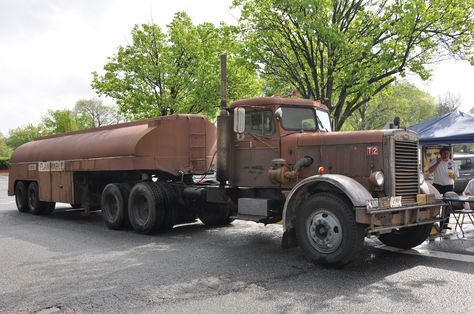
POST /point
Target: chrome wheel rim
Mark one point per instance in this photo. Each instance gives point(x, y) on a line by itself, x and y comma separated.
point(324, 231)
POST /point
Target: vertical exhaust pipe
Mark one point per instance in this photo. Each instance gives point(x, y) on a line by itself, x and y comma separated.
point(223, 129)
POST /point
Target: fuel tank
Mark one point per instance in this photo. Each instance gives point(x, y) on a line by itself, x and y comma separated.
point(174, 144)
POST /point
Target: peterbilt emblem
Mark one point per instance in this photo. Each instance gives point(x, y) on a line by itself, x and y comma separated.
point(372, 150)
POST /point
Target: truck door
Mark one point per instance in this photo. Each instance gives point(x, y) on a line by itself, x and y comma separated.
point(254, 150)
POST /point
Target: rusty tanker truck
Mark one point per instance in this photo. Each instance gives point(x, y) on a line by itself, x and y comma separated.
point(274, 159)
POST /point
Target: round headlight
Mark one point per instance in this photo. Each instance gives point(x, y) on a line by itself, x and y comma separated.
point(377, 178)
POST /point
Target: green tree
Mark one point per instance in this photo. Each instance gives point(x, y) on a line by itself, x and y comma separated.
point(344, 52)
point(177, 71)
point(60, 121)
point(24, 134)
point(93, 113)
point(5, 151)
point(472, 110)
point(403, 100)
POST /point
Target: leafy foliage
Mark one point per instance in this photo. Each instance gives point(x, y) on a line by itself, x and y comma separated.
point(21, 135)
point(4, 163)
point(93, 113)
point(177, 71)
point(86, 114)
point(344, 52)
point(60, 121)
point(403, 100)
point(5, 151)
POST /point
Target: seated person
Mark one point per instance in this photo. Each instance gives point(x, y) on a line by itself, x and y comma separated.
point(469, 191)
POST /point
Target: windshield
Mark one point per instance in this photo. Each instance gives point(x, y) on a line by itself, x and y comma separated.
point(304, 119)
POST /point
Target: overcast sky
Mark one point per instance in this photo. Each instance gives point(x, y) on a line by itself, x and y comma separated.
point(48, 49)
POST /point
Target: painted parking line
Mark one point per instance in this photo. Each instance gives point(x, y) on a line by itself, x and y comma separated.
point(430, 253)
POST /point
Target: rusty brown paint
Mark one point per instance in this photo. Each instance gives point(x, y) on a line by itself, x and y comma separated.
point(178, 144)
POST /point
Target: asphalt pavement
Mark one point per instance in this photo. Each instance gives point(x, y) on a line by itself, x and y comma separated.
point(71, 263)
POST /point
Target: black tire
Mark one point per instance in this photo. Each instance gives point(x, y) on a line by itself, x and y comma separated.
point(170, 206)
point(327, 231)
point(21, 201)
point(146, 208)
point(215, 215)
point(75, 206)
point(406, 238)
point(36, 206)
point(114, 205)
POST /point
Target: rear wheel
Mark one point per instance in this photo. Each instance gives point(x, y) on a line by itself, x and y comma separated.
point(146, 208)
point(327, 232)
point(406, 238)
point(114, 205)
point(36, 206)
point(169, 206)
point(21, 196)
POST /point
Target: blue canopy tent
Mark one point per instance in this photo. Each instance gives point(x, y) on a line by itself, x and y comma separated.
point(452, 128)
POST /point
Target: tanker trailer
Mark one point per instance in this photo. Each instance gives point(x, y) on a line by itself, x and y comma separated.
point(112, 167)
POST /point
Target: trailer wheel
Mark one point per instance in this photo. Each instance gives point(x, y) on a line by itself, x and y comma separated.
point(327, 231)
point(114, 205)
point(36, 206)
point(215, 215)
point(21, 196)
point(146, 208)
point(406, 238)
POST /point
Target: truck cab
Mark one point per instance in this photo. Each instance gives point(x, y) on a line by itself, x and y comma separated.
point(331, 189)
point(269, 129)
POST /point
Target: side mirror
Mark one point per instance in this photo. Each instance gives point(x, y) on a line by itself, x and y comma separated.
point(239, 120)
point(278, 113)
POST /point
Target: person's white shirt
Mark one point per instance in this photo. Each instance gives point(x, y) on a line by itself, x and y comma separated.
point(469, 190)
point(440, 174)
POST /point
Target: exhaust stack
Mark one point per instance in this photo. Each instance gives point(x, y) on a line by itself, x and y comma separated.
point(223, 129)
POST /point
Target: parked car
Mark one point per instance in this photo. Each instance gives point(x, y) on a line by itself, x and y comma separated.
point(465, 165)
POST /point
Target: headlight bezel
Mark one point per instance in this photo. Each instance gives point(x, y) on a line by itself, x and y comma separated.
point(377, 178)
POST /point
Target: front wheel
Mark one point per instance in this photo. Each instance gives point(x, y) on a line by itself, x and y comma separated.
point(406, 238)
point(327, 232)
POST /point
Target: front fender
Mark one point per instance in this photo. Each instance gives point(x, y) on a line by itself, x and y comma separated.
point(353, 190)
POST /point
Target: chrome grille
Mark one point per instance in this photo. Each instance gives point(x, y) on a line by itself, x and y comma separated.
point(406, 171)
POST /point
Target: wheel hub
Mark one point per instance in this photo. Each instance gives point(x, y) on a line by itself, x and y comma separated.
point(324, 230)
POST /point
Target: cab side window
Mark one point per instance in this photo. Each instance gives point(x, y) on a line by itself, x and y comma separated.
point(259, 123)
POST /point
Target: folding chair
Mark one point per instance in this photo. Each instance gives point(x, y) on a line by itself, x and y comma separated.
point(457, 213)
